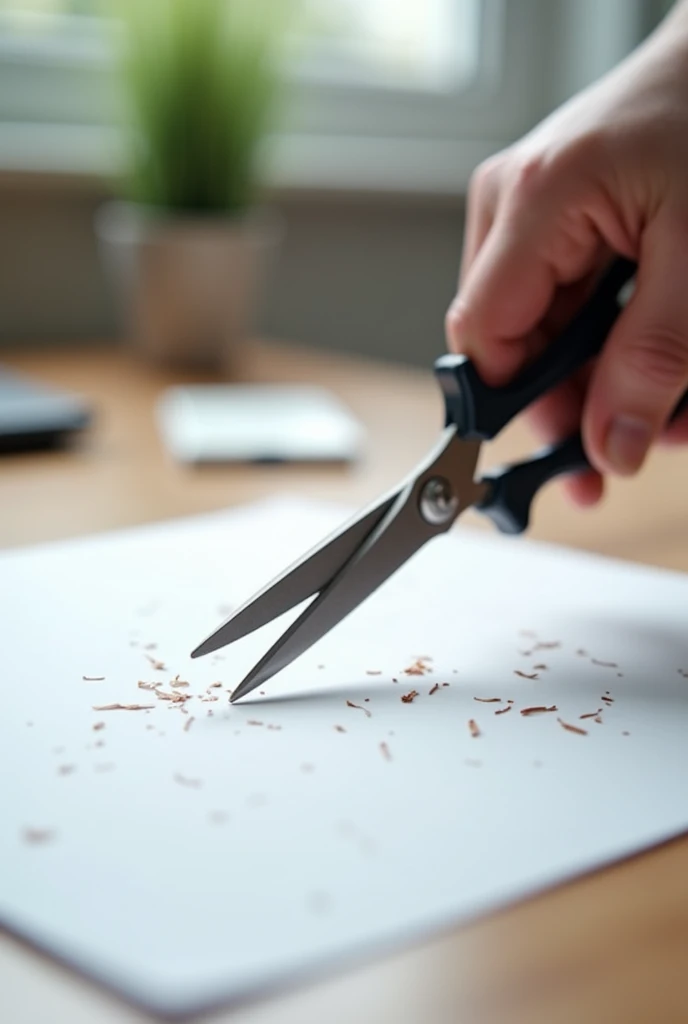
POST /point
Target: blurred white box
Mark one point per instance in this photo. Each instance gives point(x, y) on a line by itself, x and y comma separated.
point(215, 423)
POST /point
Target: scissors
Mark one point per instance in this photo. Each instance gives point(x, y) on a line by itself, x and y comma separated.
point(348, 566)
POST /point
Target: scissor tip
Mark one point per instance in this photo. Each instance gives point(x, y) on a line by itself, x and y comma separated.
point(207, 647)
point(241, 691)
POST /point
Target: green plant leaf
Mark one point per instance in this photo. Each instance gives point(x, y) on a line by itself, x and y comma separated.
point(200, 80)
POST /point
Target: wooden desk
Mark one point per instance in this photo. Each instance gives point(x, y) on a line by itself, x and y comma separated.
point(609, 948)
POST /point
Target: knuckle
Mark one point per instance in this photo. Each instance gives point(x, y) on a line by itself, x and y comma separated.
point(585, 150)
point(660, 357)
point(556, 163)
point(484, 179)
point(455, 319)
point(529, 176)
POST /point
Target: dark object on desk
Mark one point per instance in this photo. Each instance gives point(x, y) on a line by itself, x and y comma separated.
point(34, 416)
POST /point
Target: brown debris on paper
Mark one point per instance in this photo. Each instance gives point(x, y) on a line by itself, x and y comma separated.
point(572, 728)
point(174, 696)
point(123, 707)
point(408, 698)
point(419, 667)
point(365, 711)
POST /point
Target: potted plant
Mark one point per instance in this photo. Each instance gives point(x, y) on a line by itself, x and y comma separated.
point(186, 244)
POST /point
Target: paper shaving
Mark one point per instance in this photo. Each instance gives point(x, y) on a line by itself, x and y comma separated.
point(122, 707)
point(572, 728)
point(408, 698)
point(365, 711)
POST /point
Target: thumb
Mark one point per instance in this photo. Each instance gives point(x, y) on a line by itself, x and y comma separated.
point(643, 369)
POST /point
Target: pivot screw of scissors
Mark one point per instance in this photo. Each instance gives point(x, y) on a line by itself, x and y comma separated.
point(438, 503)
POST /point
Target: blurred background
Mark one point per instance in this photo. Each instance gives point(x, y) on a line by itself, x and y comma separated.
point(360, 150)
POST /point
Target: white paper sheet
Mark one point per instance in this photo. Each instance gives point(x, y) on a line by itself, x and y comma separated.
point(187, 865)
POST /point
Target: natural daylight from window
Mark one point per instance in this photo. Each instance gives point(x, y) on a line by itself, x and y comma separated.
point(385, 43)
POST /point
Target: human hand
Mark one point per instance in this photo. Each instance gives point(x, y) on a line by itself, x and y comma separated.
point(606, 173)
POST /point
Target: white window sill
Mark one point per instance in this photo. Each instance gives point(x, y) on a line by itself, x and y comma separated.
point(87, 155)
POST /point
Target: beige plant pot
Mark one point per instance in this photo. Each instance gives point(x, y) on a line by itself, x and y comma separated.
point(187, 287)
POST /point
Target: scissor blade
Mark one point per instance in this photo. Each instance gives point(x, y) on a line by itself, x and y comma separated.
point(402, 531)
point(392, 543)
point(301, 580)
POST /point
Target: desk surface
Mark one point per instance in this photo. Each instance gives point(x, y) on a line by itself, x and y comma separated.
point(609, 948)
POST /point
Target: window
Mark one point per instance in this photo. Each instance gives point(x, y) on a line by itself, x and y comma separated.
point(388, 43)
point(387, 94)
point(393, 43)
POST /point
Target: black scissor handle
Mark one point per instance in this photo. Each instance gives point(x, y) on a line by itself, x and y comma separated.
point(512, 489)
point(480, 412)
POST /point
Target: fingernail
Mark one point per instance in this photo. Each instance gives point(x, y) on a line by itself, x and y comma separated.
point(627, 443)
